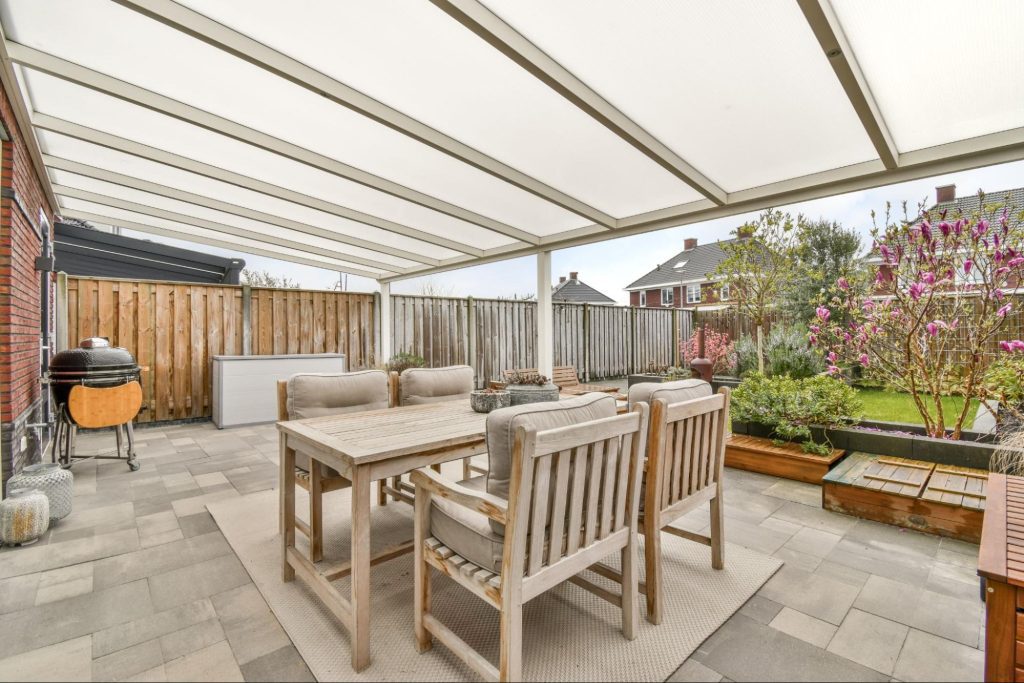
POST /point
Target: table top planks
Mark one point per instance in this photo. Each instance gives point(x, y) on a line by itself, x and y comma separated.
point(369, 436)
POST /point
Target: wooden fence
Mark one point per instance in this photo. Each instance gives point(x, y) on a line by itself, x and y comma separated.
point(175, 329)
point(495, 334)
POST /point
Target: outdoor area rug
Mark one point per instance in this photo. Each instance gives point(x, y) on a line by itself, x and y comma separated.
point(570, 635)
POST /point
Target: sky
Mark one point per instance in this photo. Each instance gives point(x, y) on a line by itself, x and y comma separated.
point(611, 265)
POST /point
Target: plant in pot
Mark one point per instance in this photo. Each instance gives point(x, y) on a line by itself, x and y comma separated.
point(530, 387)
point(400, 362)
point(486, 400)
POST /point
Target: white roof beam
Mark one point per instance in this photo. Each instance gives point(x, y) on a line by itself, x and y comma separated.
point(985, 150)
point(108, 85)
point(222, 244)
point(185, 219)
point(825, 25)
point(160, 156)
point(226, 207)
point(511, 43)
point(224, 38)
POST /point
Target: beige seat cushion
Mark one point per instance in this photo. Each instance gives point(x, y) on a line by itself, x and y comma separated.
point(467, 532)
point(417, 386)
point(316, 395)
point(673, 392)
point(502, 425)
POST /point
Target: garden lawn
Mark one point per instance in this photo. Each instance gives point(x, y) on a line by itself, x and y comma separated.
point(891, 406)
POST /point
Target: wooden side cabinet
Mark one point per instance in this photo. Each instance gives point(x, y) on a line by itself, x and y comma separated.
point(1001, 564)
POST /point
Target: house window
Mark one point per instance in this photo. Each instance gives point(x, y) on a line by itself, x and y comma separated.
point(693, 294)
point(725, 291)
point(643, 299)
point(666, 296)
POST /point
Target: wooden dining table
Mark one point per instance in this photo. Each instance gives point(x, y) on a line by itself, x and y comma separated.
point(365, 447)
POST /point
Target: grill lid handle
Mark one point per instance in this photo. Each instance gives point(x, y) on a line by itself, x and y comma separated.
point(94, 343)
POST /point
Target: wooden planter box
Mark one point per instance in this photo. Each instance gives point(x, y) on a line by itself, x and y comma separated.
point(788, 461)
point(944, 500)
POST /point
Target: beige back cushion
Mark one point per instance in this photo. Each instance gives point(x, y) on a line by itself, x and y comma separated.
point(417, 386)
point(315, 395)
point(503, 423)
point(673, 392)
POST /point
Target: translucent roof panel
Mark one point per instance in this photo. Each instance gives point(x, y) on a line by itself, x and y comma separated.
point(738, 88)
point(202, 235)
point(80, 105)
point(148, 199)
point(136, 49)
point(66, 148)
point(940, 70)
point(413, 57)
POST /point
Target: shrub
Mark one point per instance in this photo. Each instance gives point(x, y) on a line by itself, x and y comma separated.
point(791, 406)
point(400, 362)
point(717, 348)
point(786, 351)
point(527, 378)
point(1004, 382)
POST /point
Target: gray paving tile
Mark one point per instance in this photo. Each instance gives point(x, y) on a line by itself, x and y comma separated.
point(744, 650)
point(819, 596)
point(806, 628)
point(151, 627)
point(797, 559)
point(870, 640)
point(908, 568)
point(58, 621)
point(20, 561)
point(841, 572)
point(749, 506)
point(796, 492)
point(70, 660)
point(18, 592)
point(214, 663)
point(64, 583)
point(200, 523)
point(196, 581)
point(196, 504)
point(126, 663)
point(159, 559)
point(813, 542)
point(285, 664)
point(251, 627)
point(754, 537)
point(760, 609)
point(815, 518)
point(191, 639)
point(929, 658)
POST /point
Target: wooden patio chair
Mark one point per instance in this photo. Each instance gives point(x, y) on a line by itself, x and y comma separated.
point(689, 427)
point(549, 511)
point(417, 386)
point(313, 395)
point(567, 380)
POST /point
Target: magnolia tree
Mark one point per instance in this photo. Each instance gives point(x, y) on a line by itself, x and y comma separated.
point(940, 286)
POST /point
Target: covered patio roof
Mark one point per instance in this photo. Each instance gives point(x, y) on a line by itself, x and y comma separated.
point(392, 139)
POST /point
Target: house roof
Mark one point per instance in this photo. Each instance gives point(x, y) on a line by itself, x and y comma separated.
point(573, 290)
point(88, 252)
point(688, 265)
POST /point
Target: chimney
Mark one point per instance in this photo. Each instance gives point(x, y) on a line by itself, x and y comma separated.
point(574, 275)
point(945, 193)
point(690, 243)
point(561, 279)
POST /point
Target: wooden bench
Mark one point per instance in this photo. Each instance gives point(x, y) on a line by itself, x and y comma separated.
point(567, 380)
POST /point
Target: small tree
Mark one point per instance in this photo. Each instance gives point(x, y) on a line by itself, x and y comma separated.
point(264, 278)
point(827, 251)
point(759, 266)
point(940, 287)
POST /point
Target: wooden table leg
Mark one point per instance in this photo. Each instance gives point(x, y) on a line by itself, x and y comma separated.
point(287, 484)
point(360, 558)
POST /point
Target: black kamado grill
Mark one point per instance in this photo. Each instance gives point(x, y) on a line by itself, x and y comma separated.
point(94, 386)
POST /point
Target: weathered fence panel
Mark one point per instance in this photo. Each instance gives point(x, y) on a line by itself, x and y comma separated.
point(175, 329)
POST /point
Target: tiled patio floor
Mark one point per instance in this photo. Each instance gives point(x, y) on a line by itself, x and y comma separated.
point(139, 584)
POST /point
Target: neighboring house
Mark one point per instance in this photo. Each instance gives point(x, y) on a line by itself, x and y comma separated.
point(82, 250)
point(687, 280)
point(946, 200)
point(572, 291)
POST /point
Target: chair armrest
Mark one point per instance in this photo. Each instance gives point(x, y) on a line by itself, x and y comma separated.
point(485, 503)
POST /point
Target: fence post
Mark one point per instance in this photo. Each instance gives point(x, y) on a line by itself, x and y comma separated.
point(246, 320)
point(471, 338)
point(676, 337)
point(61, 327)
point(586, 342)
point(632, 341)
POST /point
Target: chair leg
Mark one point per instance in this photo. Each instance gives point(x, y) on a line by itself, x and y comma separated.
point(717, 532)
point(510, 666)
point(630, 589)
point(652, 559)
point(467, 471)
point(421, 571)
point(382, 497)
point(316, 515)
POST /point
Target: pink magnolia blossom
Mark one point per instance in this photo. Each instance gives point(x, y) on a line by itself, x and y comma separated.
point(1006, 308)
point(1017, 345)
point(823, 314)
point(863, 359)
point(945, 228)
point(928, 278)
point(1015, 262)
point(968, 263)
point(868, 306)
point(932, 328)
point(916, 290)
point(833, 370)
point(843, 284)
point(1005, 346)
point(832, 357)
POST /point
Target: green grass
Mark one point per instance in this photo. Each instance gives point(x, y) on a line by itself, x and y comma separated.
point(891, 406)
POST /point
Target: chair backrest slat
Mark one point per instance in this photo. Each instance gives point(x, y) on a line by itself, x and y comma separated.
point(581, 486)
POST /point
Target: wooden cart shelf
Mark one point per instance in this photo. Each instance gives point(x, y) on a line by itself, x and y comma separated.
point(937, 499)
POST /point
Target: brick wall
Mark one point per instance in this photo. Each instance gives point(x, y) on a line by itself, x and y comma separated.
point(710, 294)
point(21, 198)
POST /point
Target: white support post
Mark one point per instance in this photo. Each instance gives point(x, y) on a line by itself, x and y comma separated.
point(545, 316)
point(385, 323)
